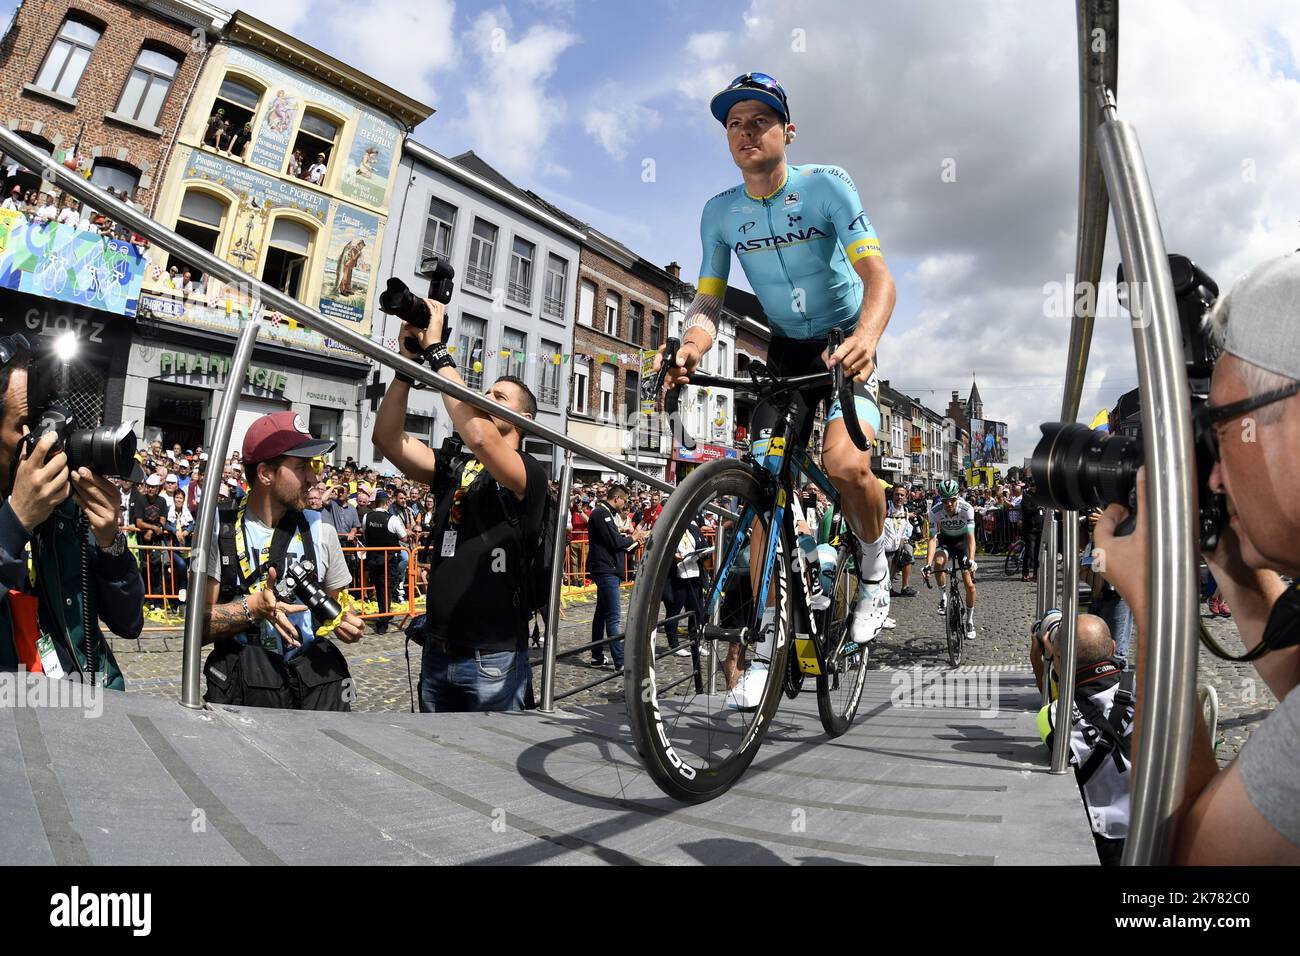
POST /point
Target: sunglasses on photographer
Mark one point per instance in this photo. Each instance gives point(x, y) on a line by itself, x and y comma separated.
point(1208, 418)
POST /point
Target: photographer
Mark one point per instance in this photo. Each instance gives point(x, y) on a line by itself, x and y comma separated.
point(1250, 811)
point(490, 506)
point(607, 547)
point(50, 621)
point(267, 652)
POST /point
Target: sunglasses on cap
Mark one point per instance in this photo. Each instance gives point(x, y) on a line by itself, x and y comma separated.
point(761, 81)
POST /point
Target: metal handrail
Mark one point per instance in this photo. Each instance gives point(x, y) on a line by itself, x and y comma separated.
point(1113, 175)
point(129, 216)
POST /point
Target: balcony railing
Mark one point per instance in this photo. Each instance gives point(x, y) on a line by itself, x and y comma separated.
point(480, 278)
point(518, 292)
point(553, 306)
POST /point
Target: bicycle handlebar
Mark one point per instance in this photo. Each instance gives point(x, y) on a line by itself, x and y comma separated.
point(756, 385)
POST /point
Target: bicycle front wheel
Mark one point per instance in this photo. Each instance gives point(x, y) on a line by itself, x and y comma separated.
point(696, 743)
point(839, 690)
point(955, 625)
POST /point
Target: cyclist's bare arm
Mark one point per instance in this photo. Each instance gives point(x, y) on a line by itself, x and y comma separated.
point(699, 329)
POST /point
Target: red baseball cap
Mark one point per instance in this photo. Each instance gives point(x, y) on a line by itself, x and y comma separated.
point(282, 433)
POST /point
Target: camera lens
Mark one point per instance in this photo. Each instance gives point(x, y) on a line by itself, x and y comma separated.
point(108, 451)
point(1076, 469)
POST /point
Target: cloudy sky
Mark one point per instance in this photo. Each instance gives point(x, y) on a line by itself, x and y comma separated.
point(602, 107)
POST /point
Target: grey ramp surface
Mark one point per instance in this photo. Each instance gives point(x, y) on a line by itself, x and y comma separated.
point(152, 782)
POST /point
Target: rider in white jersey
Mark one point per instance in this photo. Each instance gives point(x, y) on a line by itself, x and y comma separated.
point(952, 538)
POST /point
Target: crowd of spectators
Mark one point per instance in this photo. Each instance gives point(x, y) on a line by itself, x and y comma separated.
point(161, 510)
point(42, 206)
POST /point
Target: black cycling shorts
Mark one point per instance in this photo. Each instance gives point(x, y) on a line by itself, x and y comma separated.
point(955, 551)
point(792, 357)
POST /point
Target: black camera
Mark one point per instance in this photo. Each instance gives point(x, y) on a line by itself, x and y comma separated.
point(107, 450)
point(451, 455)
point(1076, 469)
point(298, 584)
point(397, 299)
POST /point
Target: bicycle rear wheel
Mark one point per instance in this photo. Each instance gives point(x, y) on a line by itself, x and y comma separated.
point(693, 744)
point(955, 624)
point(1014, 557)
point(839, 691)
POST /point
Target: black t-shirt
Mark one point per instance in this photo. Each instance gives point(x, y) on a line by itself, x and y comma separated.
point(475, 595)
point(149, 511)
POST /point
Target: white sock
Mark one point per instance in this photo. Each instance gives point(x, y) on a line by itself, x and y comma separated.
point(873, 565)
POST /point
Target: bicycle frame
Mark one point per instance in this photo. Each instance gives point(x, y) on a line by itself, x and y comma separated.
point(811, 652)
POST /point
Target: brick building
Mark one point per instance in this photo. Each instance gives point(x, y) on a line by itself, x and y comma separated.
point(103, 83)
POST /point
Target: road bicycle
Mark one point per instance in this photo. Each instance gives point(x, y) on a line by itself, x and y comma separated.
point(956, 615)
point(694, 739)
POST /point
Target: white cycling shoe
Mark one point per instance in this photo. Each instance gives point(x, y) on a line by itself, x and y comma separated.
point(870, 612)
point(748, 692)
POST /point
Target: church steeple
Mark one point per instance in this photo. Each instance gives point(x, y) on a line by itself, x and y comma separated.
point(974, 404)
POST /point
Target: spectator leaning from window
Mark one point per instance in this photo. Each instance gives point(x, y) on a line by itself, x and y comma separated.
point(316, 175)
point(607, 547)
point(70, 215)
point(240, 140)
point(1250, 811)
point(295, 164)
point(46, 212)
point(267, 651)
point(489, 508)
point(44, 613)
point(14, 201)
point(215, 123)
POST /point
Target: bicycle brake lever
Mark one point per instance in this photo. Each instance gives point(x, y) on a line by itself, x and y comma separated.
point(672, 399)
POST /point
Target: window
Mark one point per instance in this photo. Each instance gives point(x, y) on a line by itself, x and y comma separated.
point(586, 302)
point(235, 104)
point(201, 219)
point(146, 88)
point(286, 256)
point(578, 390)
point(607, 375)
point(548, 384)
point(68, 56)
point(611, 314)
point(417, 426)
point(469, 350)
point(557, 271)
point(514, 345)
point(520, 288)
point(631, 396)
point(656, 329)
point(314, 146)
point(724, 366)
point(438, 229)
point(638, 322)
point(482, 251)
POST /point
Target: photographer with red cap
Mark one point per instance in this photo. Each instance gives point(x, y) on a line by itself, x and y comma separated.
point(268, 652)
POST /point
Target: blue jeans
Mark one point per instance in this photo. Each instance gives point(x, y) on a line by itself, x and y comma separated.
point(607, 622)
point(487, 681)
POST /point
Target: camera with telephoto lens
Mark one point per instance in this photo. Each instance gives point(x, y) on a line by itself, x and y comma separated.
point(298, 584)
point(1076, 469)
point(397, 299)
point(106, 450)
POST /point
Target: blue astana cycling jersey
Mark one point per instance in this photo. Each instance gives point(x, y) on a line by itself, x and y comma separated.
point(797, 247)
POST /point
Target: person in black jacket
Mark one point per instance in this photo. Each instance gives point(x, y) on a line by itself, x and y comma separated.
point(605, 549)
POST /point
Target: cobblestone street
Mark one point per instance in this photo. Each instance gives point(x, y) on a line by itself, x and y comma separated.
point(1005, 608)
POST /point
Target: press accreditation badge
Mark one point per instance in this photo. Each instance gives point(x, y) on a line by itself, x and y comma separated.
point(448, 544)
point(49, 658)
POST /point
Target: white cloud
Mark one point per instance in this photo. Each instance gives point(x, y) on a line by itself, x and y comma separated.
point(993, 88)
point(618, 120)
point(510, 115)
point(398, 42)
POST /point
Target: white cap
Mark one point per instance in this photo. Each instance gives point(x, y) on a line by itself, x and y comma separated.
point(170, 477)
point(153, 480)
point(203, 456)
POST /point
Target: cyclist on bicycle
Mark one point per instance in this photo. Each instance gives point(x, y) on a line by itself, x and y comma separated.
point(814, 261)
point(952, 526)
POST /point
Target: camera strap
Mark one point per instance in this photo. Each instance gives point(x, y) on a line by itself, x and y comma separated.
point(291, 523)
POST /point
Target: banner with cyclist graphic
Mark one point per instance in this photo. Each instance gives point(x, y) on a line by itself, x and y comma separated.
point(988, 442)
point(59, 262)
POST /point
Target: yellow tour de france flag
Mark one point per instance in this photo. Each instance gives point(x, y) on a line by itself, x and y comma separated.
point(1101, 420)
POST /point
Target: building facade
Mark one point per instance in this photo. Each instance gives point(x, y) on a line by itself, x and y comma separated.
point(283, 164)
point(100, 88)
point(512, 310)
